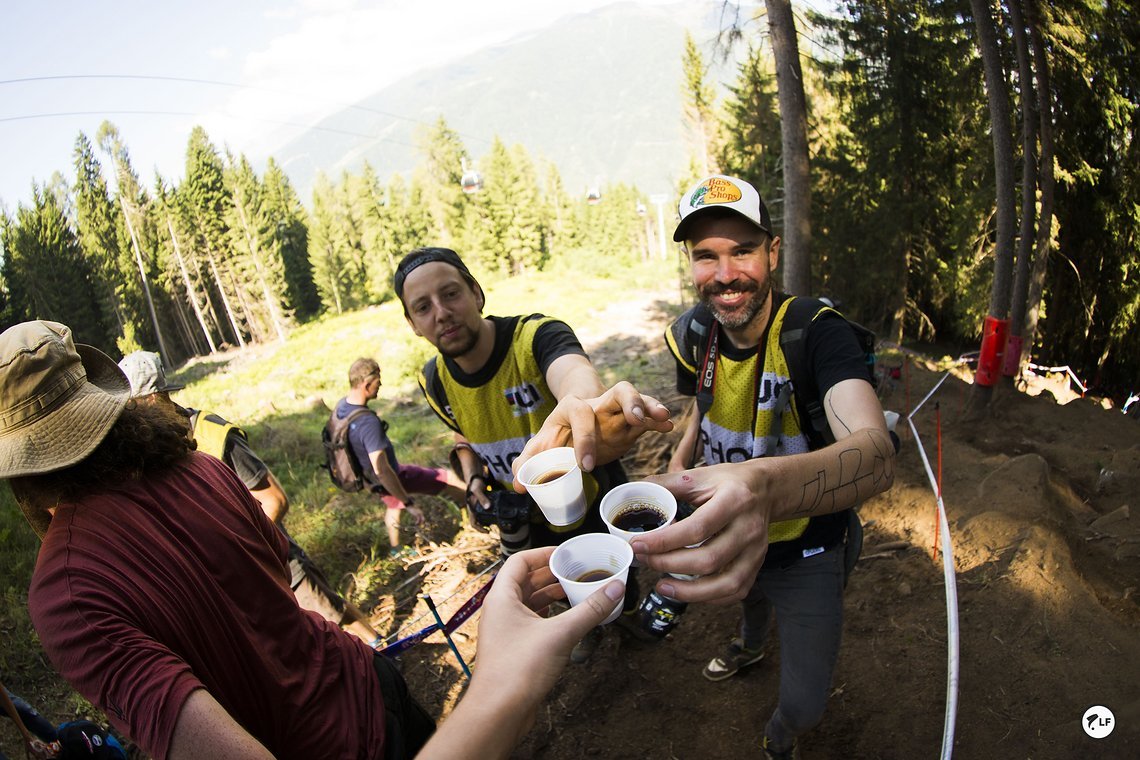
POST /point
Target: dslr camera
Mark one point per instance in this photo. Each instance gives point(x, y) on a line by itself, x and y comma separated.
point(511, 512)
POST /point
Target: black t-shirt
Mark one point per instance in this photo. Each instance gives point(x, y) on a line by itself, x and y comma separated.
point(551, 341)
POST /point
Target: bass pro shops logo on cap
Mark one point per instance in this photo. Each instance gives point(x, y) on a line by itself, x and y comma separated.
point(719, 191)
point(714, 190)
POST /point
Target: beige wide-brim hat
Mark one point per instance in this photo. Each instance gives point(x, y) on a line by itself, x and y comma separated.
point(57, 399)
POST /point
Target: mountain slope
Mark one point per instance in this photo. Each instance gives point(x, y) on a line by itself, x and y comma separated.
point(599, 94)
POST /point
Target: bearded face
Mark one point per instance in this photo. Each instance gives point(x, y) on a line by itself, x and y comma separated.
point(735, 304)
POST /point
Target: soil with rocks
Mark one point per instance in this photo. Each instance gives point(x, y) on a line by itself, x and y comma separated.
point(1039, 496)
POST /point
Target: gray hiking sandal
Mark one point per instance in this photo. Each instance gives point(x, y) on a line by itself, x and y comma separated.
point(734, 658)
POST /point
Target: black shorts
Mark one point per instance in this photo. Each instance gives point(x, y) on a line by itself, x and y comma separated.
point(407, 726)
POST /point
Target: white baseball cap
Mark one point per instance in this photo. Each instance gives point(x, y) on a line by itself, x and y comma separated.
point(722, 191)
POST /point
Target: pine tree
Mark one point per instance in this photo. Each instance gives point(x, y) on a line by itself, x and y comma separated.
point(752, 143)
point(338, 266)
point(99, 230)
point(287, 220)
point(699, 102)
point(46, 273)
point(795, 253)
point(204, 200)
point(441, 176)
point(1006, 212)
point(251, 237)
point(141, 236)
point(896, 199)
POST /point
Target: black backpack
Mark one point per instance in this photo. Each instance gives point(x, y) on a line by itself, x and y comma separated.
point(344, 471)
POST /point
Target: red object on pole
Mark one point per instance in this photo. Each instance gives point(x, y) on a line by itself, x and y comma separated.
point(1012, 361)
point(994, 335)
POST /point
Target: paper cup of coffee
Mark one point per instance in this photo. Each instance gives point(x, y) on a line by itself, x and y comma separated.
point(554, 481)
point(586, 563)
point(634, 509)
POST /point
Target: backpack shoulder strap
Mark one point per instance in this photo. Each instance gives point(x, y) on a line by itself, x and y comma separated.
point(211, 431)
point(434, 393)
point(337, 427)
point(801, 312)
point(687, 334)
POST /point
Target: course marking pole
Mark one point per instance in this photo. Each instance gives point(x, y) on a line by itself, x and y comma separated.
point(952, 631)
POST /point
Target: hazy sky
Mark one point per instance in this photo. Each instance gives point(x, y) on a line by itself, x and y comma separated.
point(66, 65)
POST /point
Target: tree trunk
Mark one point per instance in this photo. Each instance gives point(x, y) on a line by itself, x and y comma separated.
point(796, 249)
point(225, 301)
point(997, 321)
point(1013, 351)
point(271, 305)
point(145, 283)
point(191, 294)
point(1045, 179)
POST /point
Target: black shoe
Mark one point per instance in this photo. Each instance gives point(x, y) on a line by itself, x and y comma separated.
point(734, 658)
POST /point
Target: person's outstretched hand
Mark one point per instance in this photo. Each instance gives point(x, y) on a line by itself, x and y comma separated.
point(520, 656)
point(521, 650)
point(730, 524)
point(600, 429)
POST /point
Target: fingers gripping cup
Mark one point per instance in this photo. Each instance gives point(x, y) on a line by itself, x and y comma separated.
point(554, 481)
point(586, 563)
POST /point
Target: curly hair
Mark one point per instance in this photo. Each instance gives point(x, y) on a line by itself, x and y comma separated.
point(144, 441)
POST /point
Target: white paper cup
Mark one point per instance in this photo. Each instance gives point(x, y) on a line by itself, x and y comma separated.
point(561, 499)
point(585, 556)
point(629, 496)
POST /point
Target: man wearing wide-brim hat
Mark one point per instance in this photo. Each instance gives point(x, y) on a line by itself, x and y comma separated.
point(151, 556)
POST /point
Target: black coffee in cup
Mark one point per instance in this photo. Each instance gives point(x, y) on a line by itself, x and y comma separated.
point(593, 575)
point(638, 516)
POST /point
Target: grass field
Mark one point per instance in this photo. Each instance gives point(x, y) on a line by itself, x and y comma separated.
point(281, 393)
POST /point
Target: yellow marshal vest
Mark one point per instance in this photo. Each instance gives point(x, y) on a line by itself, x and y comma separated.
point(736, 430)
point(501, 415)
point(210, 432)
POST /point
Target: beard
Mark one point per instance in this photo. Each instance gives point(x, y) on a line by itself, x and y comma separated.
point(462, 343)
point(742, 314)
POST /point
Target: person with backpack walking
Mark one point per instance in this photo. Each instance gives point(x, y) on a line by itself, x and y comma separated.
point(375, 456)
point(225, 441)
point(793, 438)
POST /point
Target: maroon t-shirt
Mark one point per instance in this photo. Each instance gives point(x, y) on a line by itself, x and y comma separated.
point(144, 593)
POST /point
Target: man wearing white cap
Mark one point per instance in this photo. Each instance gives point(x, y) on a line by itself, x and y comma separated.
point(152, 554)
point(775, 497)
point(749, 411)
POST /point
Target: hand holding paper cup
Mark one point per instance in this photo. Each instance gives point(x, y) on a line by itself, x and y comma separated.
point(586, 563)
point(554, 481)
